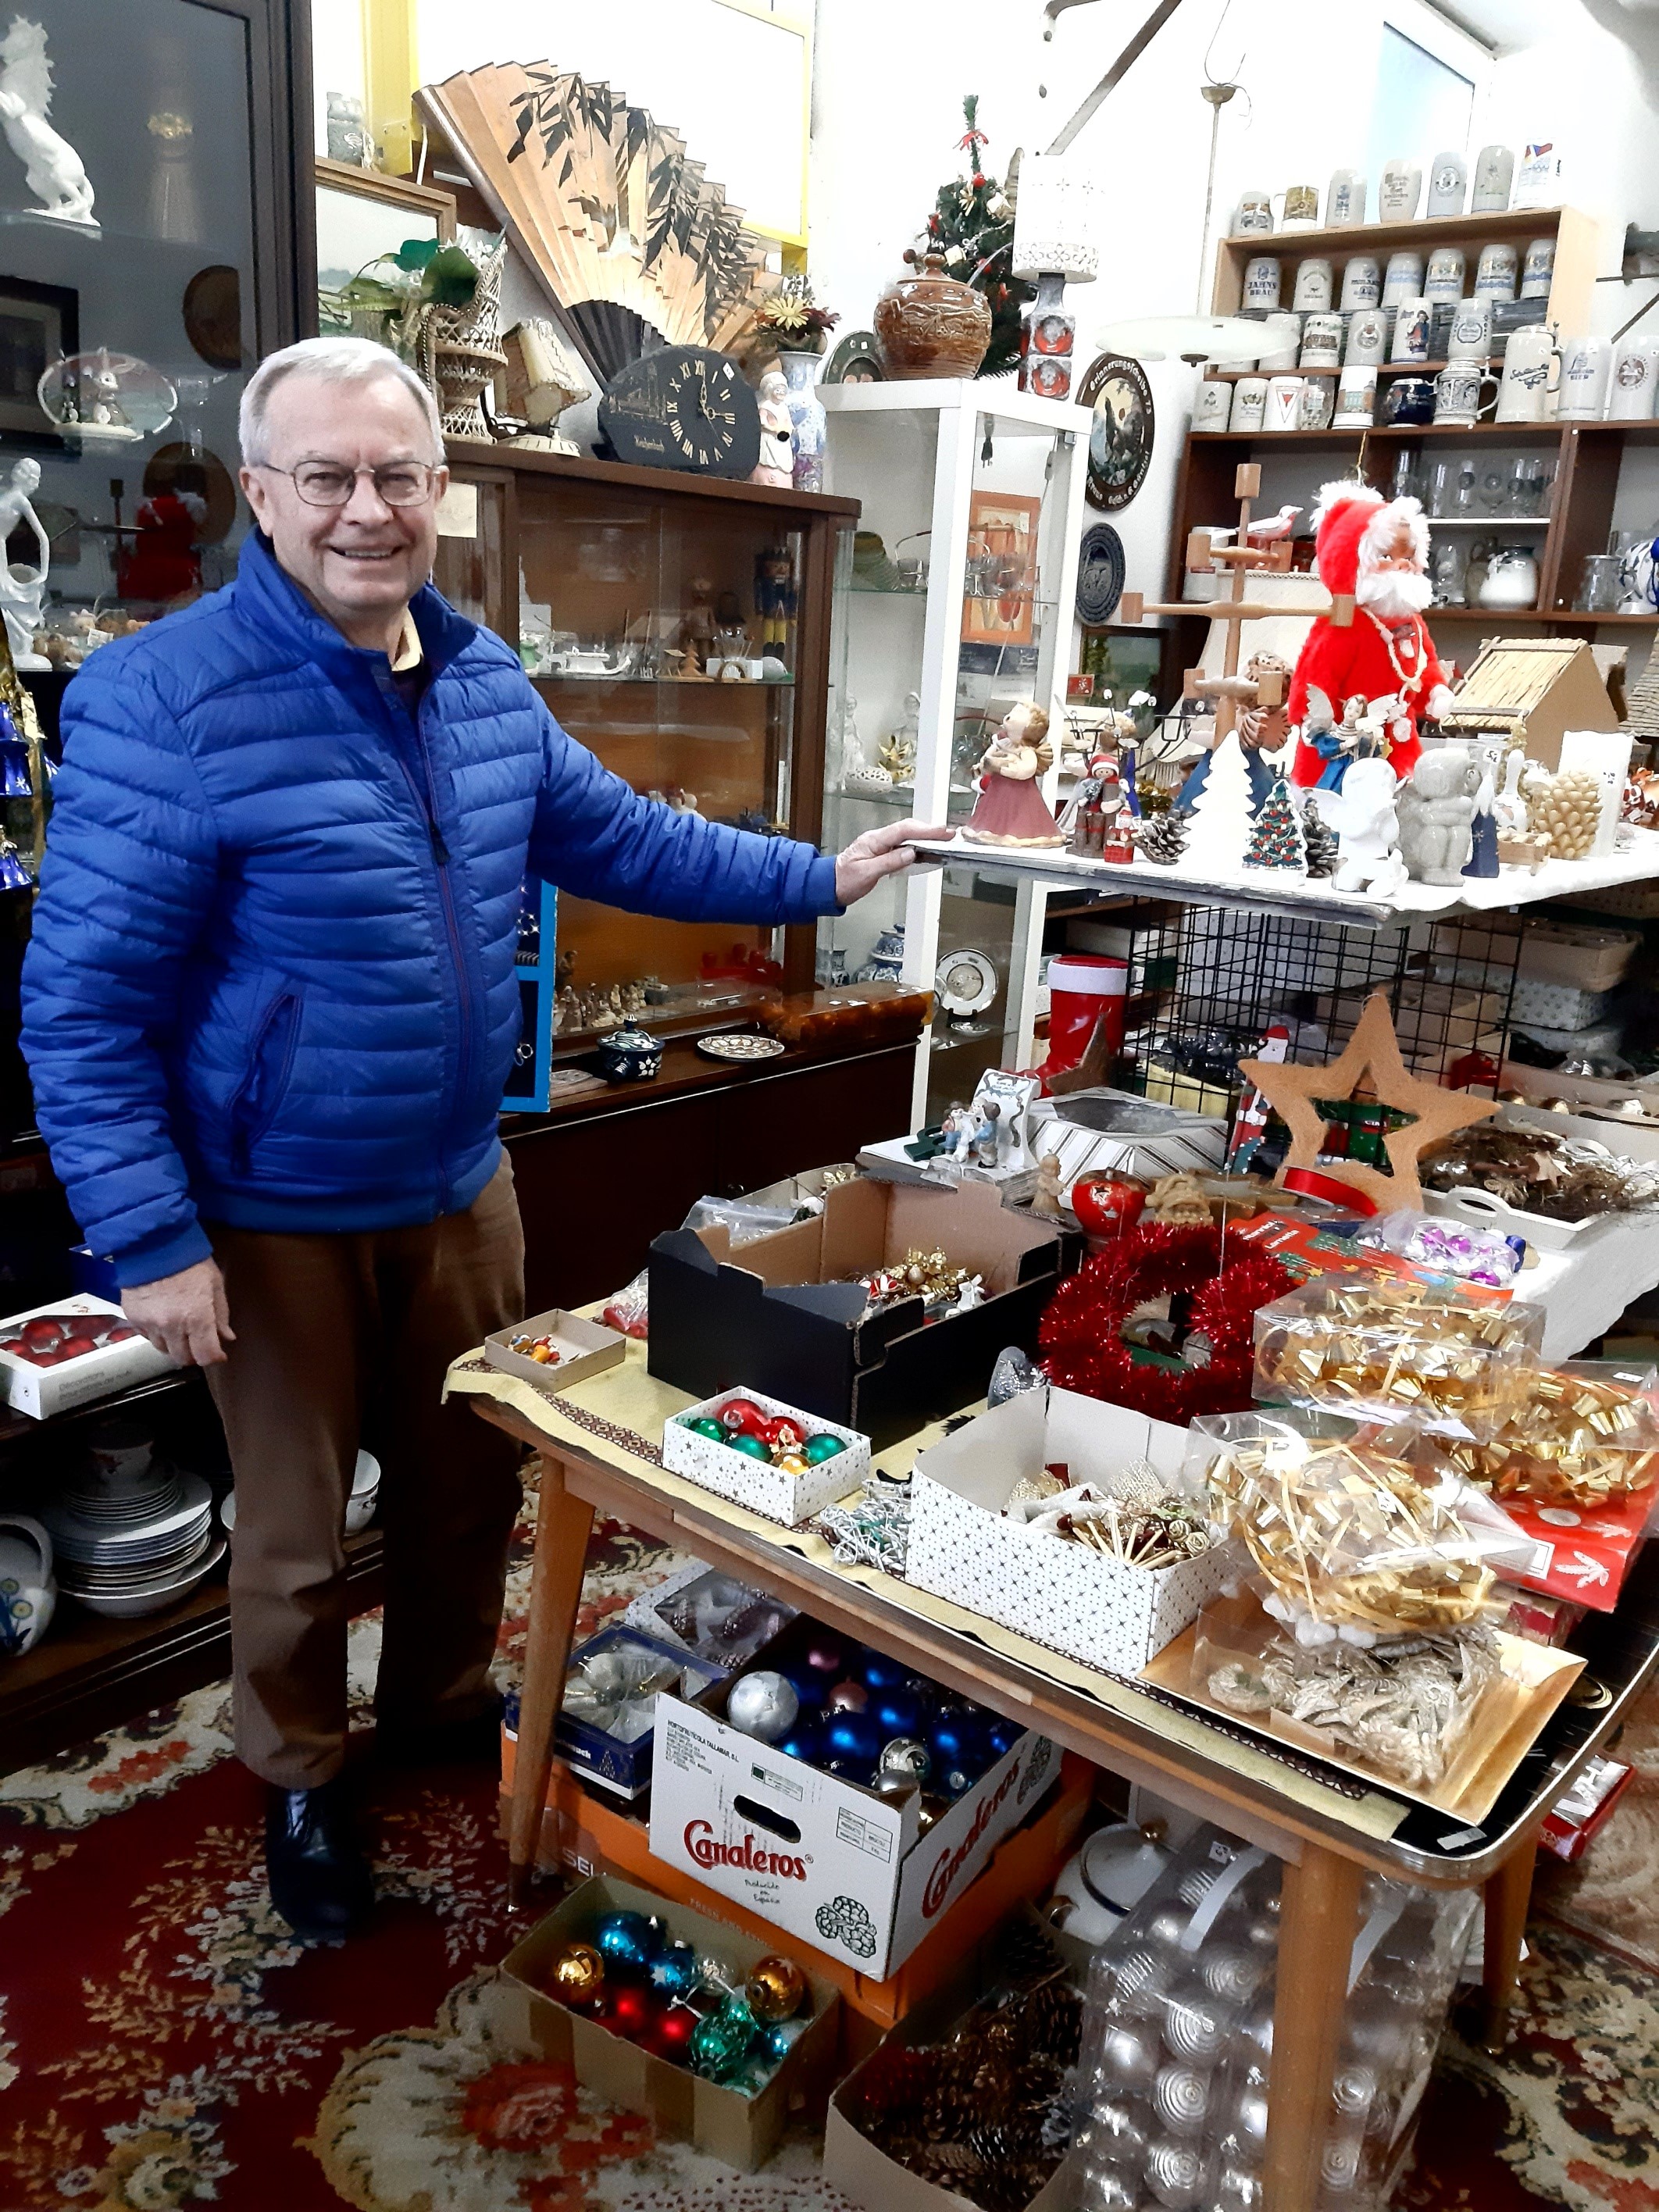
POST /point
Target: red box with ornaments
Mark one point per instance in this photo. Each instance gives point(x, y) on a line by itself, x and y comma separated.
point(69, 1353)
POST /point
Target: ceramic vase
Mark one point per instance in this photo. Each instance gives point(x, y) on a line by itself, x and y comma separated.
point(806, 418)
point(928, 325)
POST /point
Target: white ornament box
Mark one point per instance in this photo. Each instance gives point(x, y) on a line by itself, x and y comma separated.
point(1055, 1590)
point(778, 1493)
point(64, 1378)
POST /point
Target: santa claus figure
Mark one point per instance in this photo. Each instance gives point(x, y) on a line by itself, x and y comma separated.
point(1375, 551)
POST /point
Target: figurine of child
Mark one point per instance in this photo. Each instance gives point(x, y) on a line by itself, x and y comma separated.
point(1009, 808)
point(986, 1138)
point(1094, 808)
point(1046, 1198)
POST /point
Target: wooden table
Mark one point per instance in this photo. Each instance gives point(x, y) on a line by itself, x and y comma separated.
point(1327, 1840)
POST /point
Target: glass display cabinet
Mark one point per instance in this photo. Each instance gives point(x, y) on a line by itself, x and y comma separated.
point(953, 603)
point(679, 627)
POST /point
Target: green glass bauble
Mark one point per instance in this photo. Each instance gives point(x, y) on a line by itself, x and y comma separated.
point(750, 1447)
point(720, 2045)
point(819, 1448)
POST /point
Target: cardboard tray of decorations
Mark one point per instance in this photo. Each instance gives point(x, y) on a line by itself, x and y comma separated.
point(1056, 1589)
point(786, 1314)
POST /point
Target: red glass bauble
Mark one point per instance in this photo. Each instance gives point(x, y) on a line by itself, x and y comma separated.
point(672, 2036)
point(74, 1347)
point(630, 2011)
point(41, 1332)
point(744, 1414)
point(1105, 1206)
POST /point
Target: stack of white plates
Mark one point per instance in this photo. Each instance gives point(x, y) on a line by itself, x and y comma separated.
point(133, 1546)
point(360, 1506)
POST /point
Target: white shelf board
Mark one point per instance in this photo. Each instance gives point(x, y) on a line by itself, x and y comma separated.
point(1018, 413)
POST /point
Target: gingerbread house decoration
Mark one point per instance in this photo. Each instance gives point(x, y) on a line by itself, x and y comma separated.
point(1534, 688)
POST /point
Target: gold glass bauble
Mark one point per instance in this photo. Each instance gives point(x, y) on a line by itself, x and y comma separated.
point(577, 1974)
point(774, 1989)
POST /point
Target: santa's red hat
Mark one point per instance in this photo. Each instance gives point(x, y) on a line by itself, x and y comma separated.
point(1353, 525)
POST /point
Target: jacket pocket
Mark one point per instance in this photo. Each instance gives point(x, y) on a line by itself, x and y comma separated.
point(260, 1095)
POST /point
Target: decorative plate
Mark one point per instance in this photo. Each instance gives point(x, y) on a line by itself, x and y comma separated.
point(738, 1045)
point(854, 360)
point(965, 983)
point(1121, 436)
point(1099, 574)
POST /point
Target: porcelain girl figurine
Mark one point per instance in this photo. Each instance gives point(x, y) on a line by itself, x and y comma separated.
point(1010, 810)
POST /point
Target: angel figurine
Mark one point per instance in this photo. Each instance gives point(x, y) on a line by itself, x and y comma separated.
point(1009, 808)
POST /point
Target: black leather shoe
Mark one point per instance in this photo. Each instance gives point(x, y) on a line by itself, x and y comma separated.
point(473, 1742)
point(319, 1879)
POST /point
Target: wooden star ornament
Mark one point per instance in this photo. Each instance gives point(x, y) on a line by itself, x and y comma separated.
point(1290, 1090)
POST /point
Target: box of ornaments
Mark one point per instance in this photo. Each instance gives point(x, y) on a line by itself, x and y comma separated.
point(760, 1452)
point(1069, 1520)
point(838, 1794)
point(665, 2012)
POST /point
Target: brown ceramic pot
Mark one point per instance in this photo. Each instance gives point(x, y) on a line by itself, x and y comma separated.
point(928, 325)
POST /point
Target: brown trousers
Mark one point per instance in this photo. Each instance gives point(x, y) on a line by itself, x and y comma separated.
point(340, 1340)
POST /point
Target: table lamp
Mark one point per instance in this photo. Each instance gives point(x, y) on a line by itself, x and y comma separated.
point(1057, 218)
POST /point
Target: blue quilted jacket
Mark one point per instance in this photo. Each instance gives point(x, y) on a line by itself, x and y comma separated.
point(272, 981)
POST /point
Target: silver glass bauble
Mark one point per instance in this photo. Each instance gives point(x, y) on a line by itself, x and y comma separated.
point(1339, 2164)
point(1353, 2090)
point(1251, 2116)
point(1197, 1884)
point(1238, 2189)
point(1233, 1975)
point(1168, 1925)
point(904, 1755)
point(1142, 1979)
point(1181, 2096)
point(1129, 2058)
point(763, 1705)
point(1174, 2173)
point(1194, 2023)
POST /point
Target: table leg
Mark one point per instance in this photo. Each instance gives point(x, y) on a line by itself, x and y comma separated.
point(564, 1524)
point(1506, 1898)
point(1319, 1918)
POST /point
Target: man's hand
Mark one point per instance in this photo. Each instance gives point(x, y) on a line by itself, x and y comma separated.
point(879, 853)
point(184, 1315)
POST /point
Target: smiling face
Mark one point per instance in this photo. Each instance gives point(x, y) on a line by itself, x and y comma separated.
point(361, 564)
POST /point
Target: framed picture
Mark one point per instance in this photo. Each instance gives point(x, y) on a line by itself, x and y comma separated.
point(997, 607)
point(1121, 436)
point(38, 322)
point(361, 215)
point(1124, 661)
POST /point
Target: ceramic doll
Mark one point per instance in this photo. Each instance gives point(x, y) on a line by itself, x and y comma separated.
point(1009, 808)
point(1483, 829)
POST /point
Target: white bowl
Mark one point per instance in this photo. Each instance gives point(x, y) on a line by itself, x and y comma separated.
point(359, 1512)
point(154, 1601)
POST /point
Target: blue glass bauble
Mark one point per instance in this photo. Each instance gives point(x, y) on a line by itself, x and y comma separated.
point(809, 1685)
point(896, 1712)
point(781, 2038)
point(961, 1751)
point(846, 1770)
point(674, 1970)
point(879, 1672)
point(804, 1742)
point(854, 1736)
point(1003, 1735)
point(627, 1939)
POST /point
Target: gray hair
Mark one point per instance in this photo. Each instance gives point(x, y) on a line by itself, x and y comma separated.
point(331, 361)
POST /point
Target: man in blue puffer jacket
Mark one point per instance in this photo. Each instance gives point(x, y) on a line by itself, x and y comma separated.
point(269, 1009)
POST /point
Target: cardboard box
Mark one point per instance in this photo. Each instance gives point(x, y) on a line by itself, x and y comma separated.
point(622, 1765)
point(781, 1315)
point(1057, 1592)
point(588, 1349)
point(742, 2132)
point(40, 1392)
point(843, 1869)
point(773, 1491)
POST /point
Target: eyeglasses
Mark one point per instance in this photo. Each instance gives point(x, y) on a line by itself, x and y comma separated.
point(329, 483)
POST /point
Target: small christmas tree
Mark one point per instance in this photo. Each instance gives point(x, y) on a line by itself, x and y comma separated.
point(1221, 811)
point(1162, 837)
point(1276, 836)
point(972, 226)
point(1320, 841)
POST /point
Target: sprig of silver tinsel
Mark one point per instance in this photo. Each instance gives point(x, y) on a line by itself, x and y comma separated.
point(870, 1530)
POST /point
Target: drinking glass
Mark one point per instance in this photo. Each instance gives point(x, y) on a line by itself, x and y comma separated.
point(1600, 588)
point(1443, 491)
point(1526, 489)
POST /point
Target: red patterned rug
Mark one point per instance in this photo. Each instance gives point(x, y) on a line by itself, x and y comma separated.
point(164, 2043)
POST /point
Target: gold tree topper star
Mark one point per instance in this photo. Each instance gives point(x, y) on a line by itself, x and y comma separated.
point(1291, 1090)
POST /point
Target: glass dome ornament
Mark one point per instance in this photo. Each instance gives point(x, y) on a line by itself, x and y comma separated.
point(106, 399)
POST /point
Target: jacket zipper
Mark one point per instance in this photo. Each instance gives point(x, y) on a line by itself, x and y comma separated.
point(446, 899)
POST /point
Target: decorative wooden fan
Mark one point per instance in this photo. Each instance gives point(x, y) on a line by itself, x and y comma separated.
point(632, 240)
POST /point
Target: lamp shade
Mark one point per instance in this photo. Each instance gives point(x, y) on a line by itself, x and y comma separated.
point(1058, 217)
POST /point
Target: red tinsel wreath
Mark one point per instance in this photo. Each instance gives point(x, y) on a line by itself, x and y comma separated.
point(1084, 1350)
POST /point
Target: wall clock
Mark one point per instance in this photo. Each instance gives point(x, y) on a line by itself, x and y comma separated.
point(854, 360)
point(683, 407)
point(1115, 389)
point(1099, 574)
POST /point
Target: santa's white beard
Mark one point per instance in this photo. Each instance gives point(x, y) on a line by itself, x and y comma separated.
point(1393, 593)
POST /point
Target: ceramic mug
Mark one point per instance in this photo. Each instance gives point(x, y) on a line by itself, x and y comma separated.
point(1284, 331)
point(1524, 394)
point(1212, 405)
point(1313, 408)
point(28, 1592)
point(1470, 337)
point(1495, 273)
point(1367, 338)
point(1313, 282)
point(1449, 178)
point(1537, 269)
point(1586, 371)
point(1322, 342)
point(1356, 398)
point(1262, 280)
point(1344, 203)
point(1253, 215)
point(1412, 325)
point(1249, 404)
point(1408, 400)
point(1494, 174)
point(1398, 192)
point(1283, 400)
point(1633, 379)
point(1402, 279)
point(1444, 279)
point(1459, 396)
point(1301, 208)
point(1362, 283)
